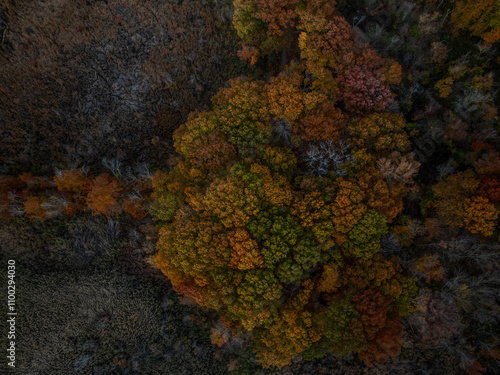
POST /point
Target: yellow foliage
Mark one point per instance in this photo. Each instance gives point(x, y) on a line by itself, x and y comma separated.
point(329, 280)
point(444, 87)
point(245, 254)
point(290, 333)
point(480, 216)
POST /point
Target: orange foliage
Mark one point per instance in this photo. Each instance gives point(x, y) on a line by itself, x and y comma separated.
point(249, 53)
point(490, 188)
point(326, 123)
point(276, 189)
point(241, 112)
point(387, 344)
point(373, 308)
point(392, 72)
point(285, 97)
point(135, 208)
point(220, 334)
point(73, 208)
point(429, 267)
point(190, 248)
point(245, 254)
point(72, 181)
point(444, 87)
point(34, 210)
point(327, 40)
point(245, 233)
point(234, 203)
point(383, 198)
point(379, 132)
point(309, 209)
point(404, 234)
point(34, 183)
point(485, 162)
point(384, 275)
point(103, 194)
point(347, 209)
point(211, 152)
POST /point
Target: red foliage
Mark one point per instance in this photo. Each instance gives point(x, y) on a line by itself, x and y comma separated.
point(490, 188)
point(480, 145)
point(485, 162)
point(475, 369)
point(439, 52)
point(373, 308)
point(329, 43)
point(190, 291)
point(386, 344)
point(278, 14)
point(364, 90)
point(72, 208)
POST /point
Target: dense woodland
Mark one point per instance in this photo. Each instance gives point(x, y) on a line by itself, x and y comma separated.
point(252, 187)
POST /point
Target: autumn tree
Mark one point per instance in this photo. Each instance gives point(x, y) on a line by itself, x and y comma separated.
point(459, 204)
point(264, 25)
point(135, 207)
point(72, 181)
point(428, 267)
point(379, 133)
point(490, 188)
point(291, 331)
point(364, 90)
point(34, 209)
point(103, 194)
point(75, 185)
point(480, 18)
point(327, 123)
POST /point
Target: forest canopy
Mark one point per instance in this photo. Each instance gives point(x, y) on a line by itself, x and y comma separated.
point(274, 210)
point(330, 193)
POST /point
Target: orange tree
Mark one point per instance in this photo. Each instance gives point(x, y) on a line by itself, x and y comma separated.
point(289, 257)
